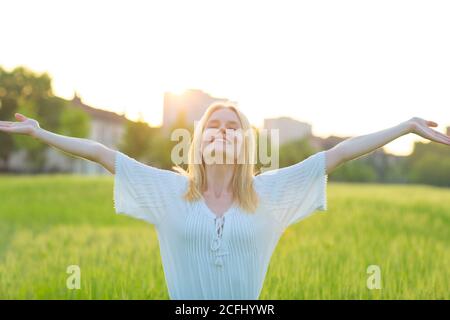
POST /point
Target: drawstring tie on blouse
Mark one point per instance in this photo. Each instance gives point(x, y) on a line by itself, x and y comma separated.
point(217, 241)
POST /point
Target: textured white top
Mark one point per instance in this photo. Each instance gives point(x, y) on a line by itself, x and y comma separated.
point(205, 257)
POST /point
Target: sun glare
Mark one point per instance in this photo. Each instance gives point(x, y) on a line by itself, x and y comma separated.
point(177, 90)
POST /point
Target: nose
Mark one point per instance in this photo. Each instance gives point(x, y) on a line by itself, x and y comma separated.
point(221, 132)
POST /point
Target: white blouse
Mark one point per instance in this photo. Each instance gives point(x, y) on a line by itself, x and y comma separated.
point(206, 257)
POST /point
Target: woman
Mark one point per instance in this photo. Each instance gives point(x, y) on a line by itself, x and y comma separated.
point(218, 223)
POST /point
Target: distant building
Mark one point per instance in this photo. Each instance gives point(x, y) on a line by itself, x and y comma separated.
point(106, 127)
point(190, 105)
point(289, 129)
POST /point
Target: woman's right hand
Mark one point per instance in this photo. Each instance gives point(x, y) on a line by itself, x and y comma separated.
point(79, 147)
point(26, 126)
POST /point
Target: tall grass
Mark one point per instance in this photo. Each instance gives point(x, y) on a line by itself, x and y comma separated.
point(50, 222)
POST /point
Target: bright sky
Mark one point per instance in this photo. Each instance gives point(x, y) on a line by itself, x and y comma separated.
point(347, 67)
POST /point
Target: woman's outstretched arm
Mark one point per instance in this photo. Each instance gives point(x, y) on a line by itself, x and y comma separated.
point(79, 147)
point(357, 146)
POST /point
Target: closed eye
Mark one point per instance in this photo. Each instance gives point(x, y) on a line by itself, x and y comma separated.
point(212, 124)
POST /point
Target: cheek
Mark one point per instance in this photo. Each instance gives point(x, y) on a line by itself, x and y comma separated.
point(206, 138)
point(239, 136)
point(234, 135)
point(238, 139)
point(240, 145)
point(208, 134)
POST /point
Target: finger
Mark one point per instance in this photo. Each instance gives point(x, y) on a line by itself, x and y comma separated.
point(5, 129)
point(429, 134)
point(443, 136)
point(432, 124)
point(436, 138)
point(6, 123)
point(20, 117)
point(439, 134)
point(446, 142)
point(12, 130)
point(440, 137)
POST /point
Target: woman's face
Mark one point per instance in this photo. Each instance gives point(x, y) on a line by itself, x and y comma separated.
point(222, 138)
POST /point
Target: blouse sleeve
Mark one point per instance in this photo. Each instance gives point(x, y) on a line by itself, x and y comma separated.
point(142, 191)
point(295, 192)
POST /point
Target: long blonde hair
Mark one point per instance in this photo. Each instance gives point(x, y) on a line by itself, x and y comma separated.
point(242, 183)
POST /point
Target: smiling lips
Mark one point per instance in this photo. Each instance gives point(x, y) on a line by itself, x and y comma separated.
point(220, 139)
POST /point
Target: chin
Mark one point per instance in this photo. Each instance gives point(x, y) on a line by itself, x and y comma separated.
point(221, 156)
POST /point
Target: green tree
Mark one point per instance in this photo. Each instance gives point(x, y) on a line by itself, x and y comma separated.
point(357, 170)
point(29, 93)
point(166, 145)
point(22, 90)
point(74, 122)
point(429, 163)
point(136, 141)
point(295, 151)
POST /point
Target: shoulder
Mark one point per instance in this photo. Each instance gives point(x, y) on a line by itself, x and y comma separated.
point(269, 180)
point(129, 168)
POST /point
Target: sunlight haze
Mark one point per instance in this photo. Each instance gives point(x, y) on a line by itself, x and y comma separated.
point(346, 67)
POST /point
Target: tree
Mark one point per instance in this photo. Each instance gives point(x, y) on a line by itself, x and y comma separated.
point(356, 170)
point(295, 151)
point(137, 138)
point(429, 164)
point(21, 89)
point(29, 93)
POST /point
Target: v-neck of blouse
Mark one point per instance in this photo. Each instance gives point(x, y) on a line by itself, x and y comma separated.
point(212, 214)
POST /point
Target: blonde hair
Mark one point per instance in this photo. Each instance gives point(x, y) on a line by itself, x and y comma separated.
point(242, 182)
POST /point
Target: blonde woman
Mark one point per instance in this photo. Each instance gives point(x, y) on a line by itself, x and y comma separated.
point(218, 223)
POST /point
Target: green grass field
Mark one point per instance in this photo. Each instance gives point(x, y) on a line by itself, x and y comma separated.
point(48, 223)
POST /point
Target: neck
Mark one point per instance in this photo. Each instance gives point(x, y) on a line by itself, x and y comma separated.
point(219, 179)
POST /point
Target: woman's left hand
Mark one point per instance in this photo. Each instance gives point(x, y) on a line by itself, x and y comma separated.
point(422, 128)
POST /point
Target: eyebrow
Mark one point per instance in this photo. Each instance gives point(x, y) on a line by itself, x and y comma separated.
point(228, 122)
